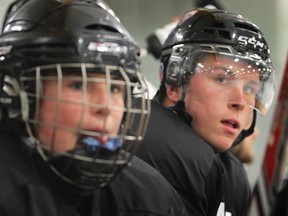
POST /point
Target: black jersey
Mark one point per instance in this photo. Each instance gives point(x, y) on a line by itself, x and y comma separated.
point(138, 190)
point(184, 159)
point(237, 191)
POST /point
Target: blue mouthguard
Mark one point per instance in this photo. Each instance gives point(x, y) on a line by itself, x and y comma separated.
point(92, 144)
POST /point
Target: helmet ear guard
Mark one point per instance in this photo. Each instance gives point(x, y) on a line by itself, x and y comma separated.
point(179, 66)
point(13, 101)
point(10, 97)
point(174, 73)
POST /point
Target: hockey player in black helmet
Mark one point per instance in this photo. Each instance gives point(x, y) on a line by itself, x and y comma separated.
point(67, 73)
point(221, 36)
point(216, 75)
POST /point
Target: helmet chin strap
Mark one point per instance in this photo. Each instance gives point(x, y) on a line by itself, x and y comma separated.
point(246, 133)
point(179, 108)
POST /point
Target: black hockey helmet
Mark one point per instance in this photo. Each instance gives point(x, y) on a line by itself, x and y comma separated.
point(202, 32)
point(214, 26)
point(45, 39)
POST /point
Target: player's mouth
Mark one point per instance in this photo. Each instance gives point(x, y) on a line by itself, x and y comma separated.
point(232, 123)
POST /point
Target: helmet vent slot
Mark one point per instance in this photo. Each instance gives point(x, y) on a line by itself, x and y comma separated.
point(224, 34)
point(246, 27)
point(207, 47)
point(224, 49)
point(209, 31)
point(219, 25)
point(100, 27)
point(52, 51)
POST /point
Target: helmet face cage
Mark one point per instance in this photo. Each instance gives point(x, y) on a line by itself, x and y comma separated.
point(36, 51)
point(186, 61)
point(89, 162)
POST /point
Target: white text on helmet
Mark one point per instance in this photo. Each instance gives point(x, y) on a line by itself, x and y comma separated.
point(250, 40)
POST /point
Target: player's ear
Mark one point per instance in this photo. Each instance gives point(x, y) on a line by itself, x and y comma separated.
point(173, 93)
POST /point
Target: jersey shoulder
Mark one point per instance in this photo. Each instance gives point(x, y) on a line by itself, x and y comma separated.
point(169, 134)
point(141, 188)
point(23, 190)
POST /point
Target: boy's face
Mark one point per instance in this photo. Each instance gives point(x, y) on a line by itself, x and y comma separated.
point(69, 109)
point(220, 97)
